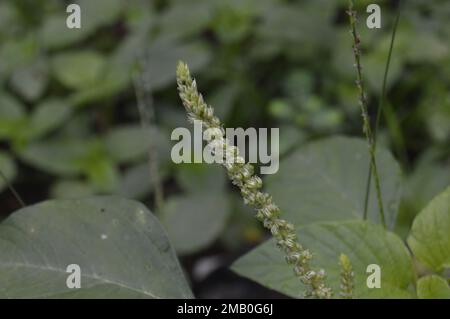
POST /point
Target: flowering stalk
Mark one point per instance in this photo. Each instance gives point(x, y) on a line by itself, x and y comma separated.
point(242, 175)
point(365, 115)
point(347, 277)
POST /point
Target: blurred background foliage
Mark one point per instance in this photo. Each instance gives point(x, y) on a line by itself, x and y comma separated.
point(70, 125)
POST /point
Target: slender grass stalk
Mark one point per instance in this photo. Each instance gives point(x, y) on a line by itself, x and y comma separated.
point(242, 175)
point(144, 99)
point(12, 189)
point(347, 277)
point(386, 72)
point(395, 132)
point(363, 104)
point(382, 106)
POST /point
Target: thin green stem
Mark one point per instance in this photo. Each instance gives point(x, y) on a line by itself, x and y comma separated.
point(12, 189)
point(381, 107)
point(363, 104)
point(143, 91)
point(386, 72)
point(367, 197)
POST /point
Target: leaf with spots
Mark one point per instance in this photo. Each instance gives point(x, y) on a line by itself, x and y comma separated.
point(121, 248)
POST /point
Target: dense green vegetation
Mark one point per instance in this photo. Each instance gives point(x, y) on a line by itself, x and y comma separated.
point(72, 126)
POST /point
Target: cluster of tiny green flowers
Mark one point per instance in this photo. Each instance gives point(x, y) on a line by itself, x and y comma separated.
point(347, 277)
point(242, 175)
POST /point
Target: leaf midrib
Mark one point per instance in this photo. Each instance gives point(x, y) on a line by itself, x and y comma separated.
point(94, 277)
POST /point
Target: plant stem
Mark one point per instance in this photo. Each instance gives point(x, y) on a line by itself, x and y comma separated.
point(381, 105)
point(146, 113)
point(386, 72)
point(12, 189)
point(363, 104)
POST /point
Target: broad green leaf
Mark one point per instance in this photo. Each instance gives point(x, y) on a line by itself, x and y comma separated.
point(116, 74)
point(54, 33)
point(242, 226)
point(326, 181)
point(78, 70)
point(429, 178)
point(31, 80)
point(281, 109)
point(129, 142)
point(7, 169)
point(65, 189)
point(429, 238)
point(102, 173)
point(21, 127)
point(427, 47)
point(232, 25)
point(8, 15)
point(364, 243)
point(18, 52)
point(281, 22)
point(439, 115)
point(61, 157)
point(12, 114)
point(79, 126)
point(121, 248)
point(137, 182)
point(194, 221)
point(185, 18)
point(290, 138)
point(171, 118)
point(49, 115)
point(11, 108)
point(200, 177)
point(140, 16)
point(70, 157)
point(114, 80)
point(375, 62)
point(224, 99)
point(433, 287)
point(100, 13)
point(163, 56)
